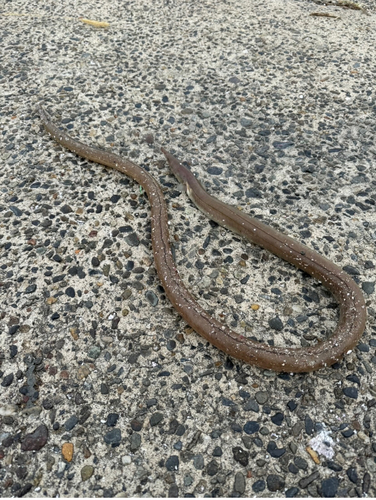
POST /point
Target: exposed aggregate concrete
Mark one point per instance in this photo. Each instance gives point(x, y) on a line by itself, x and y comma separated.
point(105, 391)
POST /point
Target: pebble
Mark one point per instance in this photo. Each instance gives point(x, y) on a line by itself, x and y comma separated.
point(329, 487)
point(113, 437)
point(35, 440)
point(251, 427)
point(212, 468)
point(261, 397)
point(277, 419)
point(112, 419)
point(275, 482)
point(135, 441)
point(86, 472)
point(240, 455)
point(172, 463)
point(67, 451)
point(239, 483)
point(156, 418)
point(351, 392)
point(305, 481)
point(259, 486)
point(71, 423)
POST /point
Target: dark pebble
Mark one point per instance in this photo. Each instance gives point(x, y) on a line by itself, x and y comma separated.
point(212, 468)
point(274, 451)
point(198, 462)
point(136, 425)
point(334, 466)
point(112, 419)
point(352, 475)
point(291, 405)
point(258, 486)
point(275, 482)
point(70, 292)
point(113, 437)
point(66, 209)
point(277, 419)
point(366, 483)
point(173, 491)
point(132, 240)
point(172, 463)
point(251, 405)
point(151, 298)
point(35, 440)
point(276, 324)
point(135, 442)
point(251, 427)
point(348, 433)
point(329, 487)
point(351, 392)
point(156, 418)
point(217, 452)
point(31, 289)
point(292, 492)
point(7, 380)
point(305, 481)
point(301, 463)
point(71, 423)
point(368, 287)
point(17, 212)
point(240, 455)
point(20, 492)
point(308, 422)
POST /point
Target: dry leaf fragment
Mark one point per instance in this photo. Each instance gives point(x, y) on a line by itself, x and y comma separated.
point(313, 454)
point(96, 24)
point(323, 14)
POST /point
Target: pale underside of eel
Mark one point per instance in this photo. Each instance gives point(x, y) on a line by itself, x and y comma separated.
point(352, 309)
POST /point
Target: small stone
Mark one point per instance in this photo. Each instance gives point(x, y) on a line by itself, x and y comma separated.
point(113, 437)
point(329, 487)
point(305, 481)
point(278, 418)
point(71, 423)
point(156, 418)
point(308, 424)
point(276, 324)
point(198, 462)
point(274, 451)
point(351, 392)
point(86, 472)
point(262, 397)
point(172, 463)
point(94, 352)
point(251, 405)
point(240, 455)
point(352, 474)
point(239, 483)
point(292, 492)
point(251, 427)
point(275, 482)
point(67, 451)
point(136, 425)
point(126, 460)
point(212, 468)
point(7, 380)
point(135, 442)
point(35, 440)
point(258, 486)
point(112, 419)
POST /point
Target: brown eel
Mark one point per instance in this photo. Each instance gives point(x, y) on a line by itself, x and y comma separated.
point(352, 309)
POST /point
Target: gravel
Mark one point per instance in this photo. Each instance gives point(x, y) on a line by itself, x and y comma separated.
point(273, 108)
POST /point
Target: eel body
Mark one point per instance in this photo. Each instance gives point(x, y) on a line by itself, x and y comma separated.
point(352, 309)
